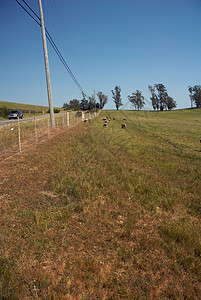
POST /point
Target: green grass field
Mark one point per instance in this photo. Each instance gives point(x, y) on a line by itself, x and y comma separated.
point(21, 106)
point(105, 213)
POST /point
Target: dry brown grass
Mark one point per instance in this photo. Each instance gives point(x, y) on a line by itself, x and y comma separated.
point(104, 213)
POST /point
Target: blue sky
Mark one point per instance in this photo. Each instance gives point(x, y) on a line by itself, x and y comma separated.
point(130, 43)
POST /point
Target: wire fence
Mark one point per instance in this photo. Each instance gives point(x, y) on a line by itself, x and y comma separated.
point(19, 135)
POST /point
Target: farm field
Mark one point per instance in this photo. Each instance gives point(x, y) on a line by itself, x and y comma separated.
point(13, 105)
point(105, 213)
point(27, 109)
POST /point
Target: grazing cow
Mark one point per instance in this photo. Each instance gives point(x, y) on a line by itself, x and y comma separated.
point(105, 125)
point(123, 125)
point(114, 119)
point(124, 119)
point(86, 120)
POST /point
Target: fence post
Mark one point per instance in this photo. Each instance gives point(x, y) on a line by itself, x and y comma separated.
point(36, 136)
point(63, 122)
point(19, 136)
point(82, 116)
point(68, 120)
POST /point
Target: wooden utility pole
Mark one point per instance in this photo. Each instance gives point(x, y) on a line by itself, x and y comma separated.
point(47, 67)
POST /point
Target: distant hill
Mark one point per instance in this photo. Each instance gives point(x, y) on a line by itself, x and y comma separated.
point(23, 107)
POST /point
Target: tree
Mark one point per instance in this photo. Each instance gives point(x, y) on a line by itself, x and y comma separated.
point(84, 103)
point(137, 100)
point(4, 112)
point(161, 89)
point(65, 105)
point(154, 98)
point(160, 98)
point(92, 102)
point(170, 103)
point(74, 104)
point(102, 99)
point(190, 89)
point(195, 95)
point(117, 96)
point(97, 105)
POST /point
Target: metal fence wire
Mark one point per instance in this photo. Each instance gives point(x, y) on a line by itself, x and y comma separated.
point(19, 135)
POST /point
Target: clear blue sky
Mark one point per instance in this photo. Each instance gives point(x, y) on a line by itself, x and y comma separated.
point(130, 43)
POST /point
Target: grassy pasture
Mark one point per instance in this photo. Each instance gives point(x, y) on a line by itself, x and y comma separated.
point(105, 213)
point(26, 108)
point(21, 106)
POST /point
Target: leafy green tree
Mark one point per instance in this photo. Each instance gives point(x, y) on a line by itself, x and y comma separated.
point(117, 96)
point(160, 98)
point(137, 100)
point(65, 105)
point(74, 104)
point(195, 95)
point(92, 102)
point(170, 103)
point(102, 99)
point(56, 110)
point(154, 98)
point(161, 89)
point(4, 112)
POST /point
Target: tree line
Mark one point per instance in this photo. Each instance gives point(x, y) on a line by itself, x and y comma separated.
point(160, 99)
point(87, 104)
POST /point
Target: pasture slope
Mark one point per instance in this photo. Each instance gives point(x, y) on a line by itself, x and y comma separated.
point(21, 106)
point(105, 213)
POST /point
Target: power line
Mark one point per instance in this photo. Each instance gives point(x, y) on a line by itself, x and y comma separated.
point(28, 12)
point(52, 43)
point(63, 60)
point(31, 10)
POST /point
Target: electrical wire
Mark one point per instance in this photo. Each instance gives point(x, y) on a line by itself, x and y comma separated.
point(52, 43)
point(28, 12)
point(31, 10)
point(65, 34)
point(63, 60)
